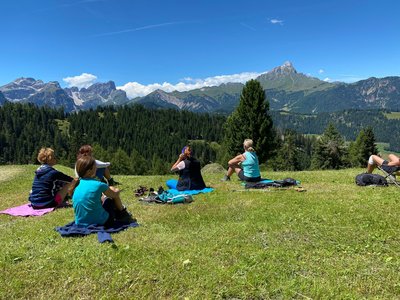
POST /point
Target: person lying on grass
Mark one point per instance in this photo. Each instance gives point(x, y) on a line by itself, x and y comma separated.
point(189, 170)
point(245, 165)
point(391, 166)
point(49, 187)
point(90, 205)
point(103, 170)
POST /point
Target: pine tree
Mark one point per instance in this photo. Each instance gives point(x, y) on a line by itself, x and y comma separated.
point(138, 163)
point(251, 120)
point(287, 157)
point(329, 152)
point(362, 148)
point(121, 163)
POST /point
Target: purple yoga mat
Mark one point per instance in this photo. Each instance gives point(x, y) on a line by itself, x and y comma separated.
point(26, 210)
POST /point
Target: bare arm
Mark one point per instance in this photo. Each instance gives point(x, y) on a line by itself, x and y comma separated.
point(394, 160)
point(180, 158)
point(237, 159)
point(112, 192)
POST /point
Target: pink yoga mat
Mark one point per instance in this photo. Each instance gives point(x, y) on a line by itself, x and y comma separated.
point(26, 210)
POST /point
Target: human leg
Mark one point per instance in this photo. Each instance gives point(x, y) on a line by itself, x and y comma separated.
point(233, 169)
point(62, 193)
point(373, 161)
point(117, 211)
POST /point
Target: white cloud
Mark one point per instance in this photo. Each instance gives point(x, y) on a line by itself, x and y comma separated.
point(327, 79)
point(321, 71)
point(276, 21)
point(81, 81)
point(135, 89)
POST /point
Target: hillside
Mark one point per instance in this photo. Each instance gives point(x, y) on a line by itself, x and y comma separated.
point(285, 88)
point(336, 240)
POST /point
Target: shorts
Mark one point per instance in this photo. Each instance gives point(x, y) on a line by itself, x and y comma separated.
point(100, 173)
point(109, 207)
point(248, 179)
point(54, 203)
point(389, 169)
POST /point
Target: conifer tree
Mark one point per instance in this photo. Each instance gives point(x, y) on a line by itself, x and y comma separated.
point(363, 147)
point(287, 157)
point(121, 163)
point(251, 119)
point(329, 152)
point(138, 163)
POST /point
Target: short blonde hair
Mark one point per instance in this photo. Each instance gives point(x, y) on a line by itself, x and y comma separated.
point(45, 155)
point(248, 145)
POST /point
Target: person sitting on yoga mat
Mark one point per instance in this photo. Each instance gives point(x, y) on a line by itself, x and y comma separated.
point(391, 166)
point(189, 170)
point(103, 170)
point(245, 165)
point(90, 205)
point(50, 187)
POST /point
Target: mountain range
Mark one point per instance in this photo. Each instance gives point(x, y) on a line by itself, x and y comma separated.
point(285, 88)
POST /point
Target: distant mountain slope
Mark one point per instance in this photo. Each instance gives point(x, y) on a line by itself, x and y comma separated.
point(2, 98)
point(36, 91)
point(97, 94)
point(285, 88)
point(51, 94)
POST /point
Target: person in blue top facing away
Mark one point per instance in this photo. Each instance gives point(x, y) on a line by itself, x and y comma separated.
point(49, 187)
point(94, 201)
point(245, 165)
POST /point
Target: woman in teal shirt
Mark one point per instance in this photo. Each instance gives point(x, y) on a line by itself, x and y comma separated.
point(245, 165)
point(94, 201)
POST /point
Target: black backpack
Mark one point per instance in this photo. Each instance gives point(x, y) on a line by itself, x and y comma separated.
point(365, 179)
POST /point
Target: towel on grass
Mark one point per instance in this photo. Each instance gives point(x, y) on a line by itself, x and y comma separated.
point(190, 192)
point(171, 184)
point(103, 233)
point(26, 210)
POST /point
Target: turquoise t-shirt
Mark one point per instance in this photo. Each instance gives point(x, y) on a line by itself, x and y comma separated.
point(250, 165)
point(87, 204)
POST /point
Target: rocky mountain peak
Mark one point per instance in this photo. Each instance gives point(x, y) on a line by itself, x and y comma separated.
point(26, 81)
point(103, 89)
point(285, 69)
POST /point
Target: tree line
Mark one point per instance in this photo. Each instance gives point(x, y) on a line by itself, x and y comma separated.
point(138, 140)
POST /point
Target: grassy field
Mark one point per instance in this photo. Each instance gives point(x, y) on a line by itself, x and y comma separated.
point(334, 241)
point(393, 115)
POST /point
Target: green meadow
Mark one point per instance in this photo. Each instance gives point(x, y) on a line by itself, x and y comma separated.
point(333, 241)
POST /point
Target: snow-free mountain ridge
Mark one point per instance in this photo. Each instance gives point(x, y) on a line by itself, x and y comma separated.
point(285, 88)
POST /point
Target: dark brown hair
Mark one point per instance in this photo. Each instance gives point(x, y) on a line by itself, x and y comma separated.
point(85, 150)
point(83, 165)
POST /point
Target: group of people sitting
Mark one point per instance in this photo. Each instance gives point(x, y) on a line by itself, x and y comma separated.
point(94, 200)
point(97, 201)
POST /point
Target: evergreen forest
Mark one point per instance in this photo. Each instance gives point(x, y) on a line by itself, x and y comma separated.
point(138, 140)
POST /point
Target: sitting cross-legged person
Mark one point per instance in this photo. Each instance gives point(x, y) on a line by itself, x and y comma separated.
point(49, 187)
point(189, 170)
point(94, 201)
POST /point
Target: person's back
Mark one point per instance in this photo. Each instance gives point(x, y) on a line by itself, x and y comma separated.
point(250, 165)
point(86, 202)
point(190, 177)
point(49, 186)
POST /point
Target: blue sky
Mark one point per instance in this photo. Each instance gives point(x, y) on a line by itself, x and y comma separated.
point(143, 45)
